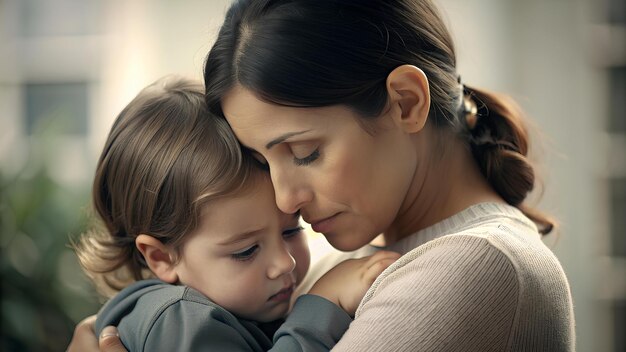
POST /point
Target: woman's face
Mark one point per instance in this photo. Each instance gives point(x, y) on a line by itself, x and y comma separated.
point(347, 183)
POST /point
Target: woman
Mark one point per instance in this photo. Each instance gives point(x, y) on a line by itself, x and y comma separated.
point(359, 114)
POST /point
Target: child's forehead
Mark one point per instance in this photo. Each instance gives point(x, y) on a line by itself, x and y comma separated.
point(246, 205)
point(244, 186)
point(255, 213)
point(258, 185)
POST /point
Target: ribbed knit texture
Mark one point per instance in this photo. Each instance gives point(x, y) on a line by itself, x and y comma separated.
point(481, 280)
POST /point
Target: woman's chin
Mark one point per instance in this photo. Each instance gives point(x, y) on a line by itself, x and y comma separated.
point(347, 242)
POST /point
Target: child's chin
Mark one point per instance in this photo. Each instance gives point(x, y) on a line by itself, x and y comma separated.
point(273, 315)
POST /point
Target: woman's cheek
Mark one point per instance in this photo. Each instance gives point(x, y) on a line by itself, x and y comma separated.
point(342, 175)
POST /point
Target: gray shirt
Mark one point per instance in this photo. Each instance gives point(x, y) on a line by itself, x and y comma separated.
point(154, 316)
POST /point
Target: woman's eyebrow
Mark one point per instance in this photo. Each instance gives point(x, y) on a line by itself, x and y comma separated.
point(282, 138)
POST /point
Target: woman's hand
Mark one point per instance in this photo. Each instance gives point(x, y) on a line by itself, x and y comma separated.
point(346, 284)
point(84, 338)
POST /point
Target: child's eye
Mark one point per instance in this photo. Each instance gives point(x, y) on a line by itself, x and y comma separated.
point(246, 254)
point(307, 159)
point(292, 232)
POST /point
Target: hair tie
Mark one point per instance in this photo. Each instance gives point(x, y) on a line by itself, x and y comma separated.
point(468, 108)
point(469, 111)
point(487, 141)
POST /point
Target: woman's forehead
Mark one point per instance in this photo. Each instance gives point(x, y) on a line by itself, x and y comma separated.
point(243, 107)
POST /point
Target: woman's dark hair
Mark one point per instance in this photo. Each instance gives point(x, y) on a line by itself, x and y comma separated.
point(164, 159)
point(314, 53)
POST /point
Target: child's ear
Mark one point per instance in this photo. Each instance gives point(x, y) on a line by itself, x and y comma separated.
point(159, 258)
point(409, 94)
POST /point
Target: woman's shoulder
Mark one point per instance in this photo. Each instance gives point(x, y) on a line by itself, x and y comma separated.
point(504, 245)
point(489, 231)
point(460, 261)
point(501, 263)
point(515, 240)
point(493, 285)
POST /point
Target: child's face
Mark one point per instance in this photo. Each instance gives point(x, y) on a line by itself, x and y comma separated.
point(246, 255)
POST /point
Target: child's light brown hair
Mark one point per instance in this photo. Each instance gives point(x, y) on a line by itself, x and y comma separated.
point(164, 158)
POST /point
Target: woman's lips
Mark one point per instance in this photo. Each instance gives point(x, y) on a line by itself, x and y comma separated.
point(323, 225)
point(282, 295)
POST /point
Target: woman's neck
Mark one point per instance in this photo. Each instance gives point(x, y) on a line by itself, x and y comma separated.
point(443, 185)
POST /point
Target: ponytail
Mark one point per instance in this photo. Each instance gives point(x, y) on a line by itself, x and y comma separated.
point(499, 143)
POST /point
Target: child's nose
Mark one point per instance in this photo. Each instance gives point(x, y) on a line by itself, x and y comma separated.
point(282, 263)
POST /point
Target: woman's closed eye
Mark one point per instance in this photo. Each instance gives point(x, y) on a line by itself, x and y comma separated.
point(245, 254)
point(307, 159)
point(305, 152)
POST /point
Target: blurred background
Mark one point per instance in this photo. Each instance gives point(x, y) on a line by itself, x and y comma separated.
point(67, 67)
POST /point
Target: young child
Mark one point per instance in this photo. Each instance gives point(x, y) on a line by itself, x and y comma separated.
point(195, 242)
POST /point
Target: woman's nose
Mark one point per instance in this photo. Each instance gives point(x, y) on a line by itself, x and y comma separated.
point(291, 194)
point(282, 263)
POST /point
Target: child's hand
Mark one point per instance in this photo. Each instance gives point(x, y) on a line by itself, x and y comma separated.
point(346, 284)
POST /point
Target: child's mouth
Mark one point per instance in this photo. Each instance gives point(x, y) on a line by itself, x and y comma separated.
point(282, 295)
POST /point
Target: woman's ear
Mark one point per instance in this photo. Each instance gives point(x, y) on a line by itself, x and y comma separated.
point(409, 95)
point(159, 258)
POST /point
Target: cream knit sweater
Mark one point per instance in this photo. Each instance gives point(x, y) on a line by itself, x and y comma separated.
point(481, 280)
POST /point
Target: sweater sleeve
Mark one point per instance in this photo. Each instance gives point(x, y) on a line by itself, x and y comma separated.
point(457, 293)
point(314, 324)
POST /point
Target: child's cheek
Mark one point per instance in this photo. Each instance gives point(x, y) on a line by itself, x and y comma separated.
point(300, 252)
